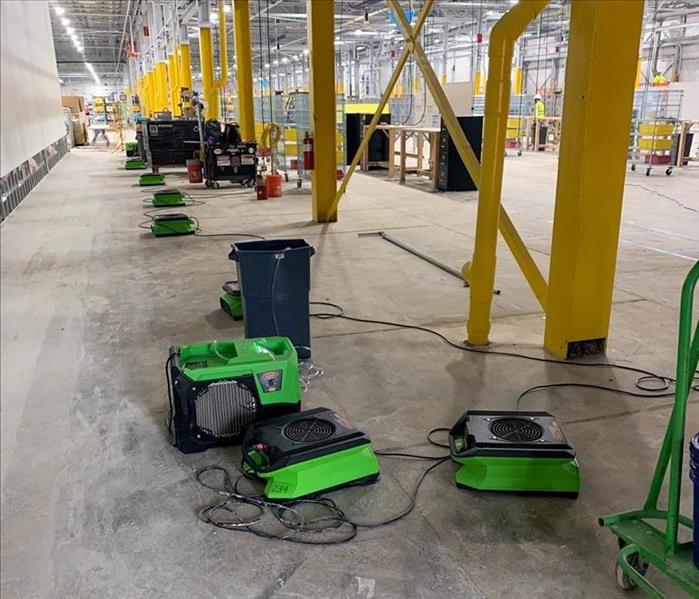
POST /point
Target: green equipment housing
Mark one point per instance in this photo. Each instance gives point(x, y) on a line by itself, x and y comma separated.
point(217, 389)
point(307, 453)
point(131, 148)
point(167, 225)
point(168, 197)
point(134, 164)
point(151, 179)
point(231, 302)
point(513, 451)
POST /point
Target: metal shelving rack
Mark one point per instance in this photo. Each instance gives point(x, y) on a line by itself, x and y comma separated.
point(520, 106)
point(656, 113)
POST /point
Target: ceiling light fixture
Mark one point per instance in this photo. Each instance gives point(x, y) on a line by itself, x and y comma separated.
point(285, 60)
point(65, 22)
point(59, 10)
point(93, 73)
point(305, 51)
point(70, 30)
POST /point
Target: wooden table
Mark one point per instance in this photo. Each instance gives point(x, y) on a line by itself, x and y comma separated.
point(401, 134)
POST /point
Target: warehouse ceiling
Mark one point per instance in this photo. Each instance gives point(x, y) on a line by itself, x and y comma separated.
point(97, 32)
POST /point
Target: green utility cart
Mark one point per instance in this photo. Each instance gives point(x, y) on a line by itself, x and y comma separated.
point(642, 543)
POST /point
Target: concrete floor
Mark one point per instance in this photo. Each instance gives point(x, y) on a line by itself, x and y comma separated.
point(95, 503)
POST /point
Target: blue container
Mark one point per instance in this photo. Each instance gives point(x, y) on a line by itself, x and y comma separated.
point(275, 280)
point(694, 476)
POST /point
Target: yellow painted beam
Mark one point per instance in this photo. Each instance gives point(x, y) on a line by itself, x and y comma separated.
point(162, 103)
point(243, 75)
point(381, 106)
point(517, 80)
point(321, 44)
point(206, 57)
point(440, 98)
point(591, 171)
point(481, 275)
point(185, 66)
point(222, 57)
point(174, 88)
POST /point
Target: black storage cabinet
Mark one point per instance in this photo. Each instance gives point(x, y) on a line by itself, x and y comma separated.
point(354, 131)
point(453, 175)
point(275, 280)
point(170, 142)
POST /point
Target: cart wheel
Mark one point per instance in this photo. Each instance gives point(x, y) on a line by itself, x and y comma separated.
point(298, 183)
point(216, 185)
point(207, 183)
point(519, 152)
point(286, 177)
point(668, 171)
point(637, 563)
point(648, 172)
point(633, 167)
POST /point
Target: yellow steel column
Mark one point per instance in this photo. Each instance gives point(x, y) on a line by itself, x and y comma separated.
point(206, 57)
point(243, 75)
point(517, 80)
point(321, 43)
point(591, 172)
point(185, 78)
point(222, 57)
point(173, 81)
point(481, 274)
point(161, 74)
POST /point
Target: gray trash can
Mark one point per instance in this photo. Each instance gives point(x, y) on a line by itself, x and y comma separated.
point(275, 280)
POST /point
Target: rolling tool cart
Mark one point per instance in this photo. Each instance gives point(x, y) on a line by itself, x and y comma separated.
point(642, 543)
point(227, 156)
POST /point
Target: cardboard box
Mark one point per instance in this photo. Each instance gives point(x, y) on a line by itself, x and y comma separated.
point(75, 103)
point(80, 132)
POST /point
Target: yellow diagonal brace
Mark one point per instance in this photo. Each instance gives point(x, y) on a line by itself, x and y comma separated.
point(440, 98)
point(382, 104)
point(514, 241)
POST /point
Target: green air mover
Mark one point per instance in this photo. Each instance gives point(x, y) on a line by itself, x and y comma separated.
point(151, 179)
point(513, 451)
point(231, 302)
point(165, 225)
point(130, 147)
point(302, 454)
point(133, 164)
point(217, 389)
point(168, 197)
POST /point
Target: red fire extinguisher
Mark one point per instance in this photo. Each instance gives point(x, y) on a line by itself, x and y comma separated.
point(308, 160)
point(260, 187)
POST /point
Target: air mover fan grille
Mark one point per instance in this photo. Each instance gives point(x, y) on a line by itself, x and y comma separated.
point(518, 430)
point(224, 409)
point(308, 430)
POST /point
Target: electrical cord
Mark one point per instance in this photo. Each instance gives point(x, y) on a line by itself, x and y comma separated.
point(655, 389)
point(331, 527)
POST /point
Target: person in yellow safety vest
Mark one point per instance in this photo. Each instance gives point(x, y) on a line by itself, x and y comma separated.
point(659, 79)
point(539, 107)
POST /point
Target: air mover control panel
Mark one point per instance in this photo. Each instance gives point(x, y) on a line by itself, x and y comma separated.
point(306, 453)
point(513, 451)
point(219, 388)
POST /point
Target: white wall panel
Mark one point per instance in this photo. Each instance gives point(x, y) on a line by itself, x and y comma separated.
point(31, 115)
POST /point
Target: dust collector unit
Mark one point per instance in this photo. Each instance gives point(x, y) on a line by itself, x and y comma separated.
point(307, 453)
point(513, 451)
point(219, 388)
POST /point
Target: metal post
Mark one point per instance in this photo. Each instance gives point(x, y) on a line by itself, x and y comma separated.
point(243, 57)
point(482, 271)
point(591, 172)
point(321, 43)
point(206, 57)
point(222, 60)
point(185, 77)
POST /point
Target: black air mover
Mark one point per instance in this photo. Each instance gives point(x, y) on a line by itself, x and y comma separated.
point(513, 451)
point(306, 453)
